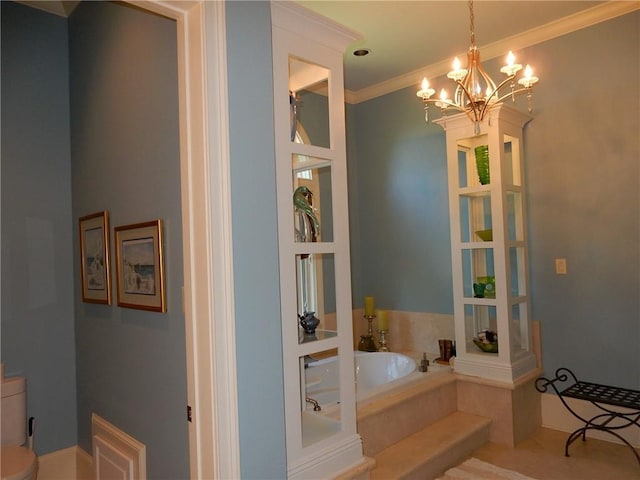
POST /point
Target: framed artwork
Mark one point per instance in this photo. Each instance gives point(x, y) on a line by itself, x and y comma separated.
point(140, 266)
point(94, 255)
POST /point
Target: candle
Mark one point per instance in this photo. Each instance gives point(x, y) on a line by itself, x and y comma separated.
point(444, 101)
point(426, 91)
point(457, 74)
point(511, 68)
point(528, 79)
point(369, 306)
point(383, 320)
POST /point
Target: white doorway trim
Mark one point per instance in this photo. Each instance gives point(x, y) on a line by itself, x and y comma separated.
point(206, 229)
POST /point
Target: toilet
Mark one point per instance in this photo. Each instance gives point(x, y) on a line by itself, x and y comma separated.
point(18, 462)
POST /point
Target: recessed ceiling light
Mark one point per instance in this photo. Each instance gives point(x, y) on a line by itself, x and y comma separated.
point(361, 52)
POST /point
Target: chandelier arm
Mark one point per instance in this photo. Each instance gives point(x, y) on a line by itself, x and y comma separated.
point(449, 104)
point(510, 78)
point(488, 104)
point(514, 93)
point(438, 102)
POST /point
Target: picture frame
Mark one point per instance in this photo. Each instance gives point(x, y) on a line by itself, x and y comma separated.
point(95, 263)
point(140, 266)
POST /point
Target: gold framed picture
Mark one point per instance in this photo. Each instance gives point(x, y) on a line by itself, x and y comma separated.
point(140, 266)
point(94, 258)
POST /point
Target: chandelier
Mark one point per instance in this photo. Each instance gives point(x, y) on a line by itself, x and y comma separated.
point(476, 93)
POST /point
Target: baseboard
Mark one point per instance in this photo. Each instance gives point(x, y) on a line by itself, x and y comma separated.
point(68, 463)
point(556, 417)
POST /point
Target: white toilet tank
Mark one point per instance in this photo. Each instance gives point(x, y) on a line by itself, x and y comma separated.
point(14, 411)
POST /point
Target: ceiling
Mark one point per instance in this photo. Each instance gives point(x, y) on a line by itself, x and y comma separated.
point(412, 39)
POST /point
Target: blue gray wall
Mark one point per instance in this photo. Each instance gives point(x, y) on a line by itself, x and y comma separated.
point(131, 364)
point(583, 180)
point(583, 203)
point(255, 241)
point(398, 200)
point(37, 225)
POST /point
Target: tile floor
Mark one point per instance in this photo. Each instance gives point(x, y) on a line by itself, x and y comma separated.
point(542, 457)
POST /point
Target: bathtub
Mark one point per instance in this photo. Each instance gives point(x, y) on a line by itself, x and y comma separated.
point(375, 372)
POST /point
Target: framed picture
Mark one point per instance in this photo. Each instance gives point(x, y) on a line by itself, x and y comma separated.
point(140, 266)
point(94, 255)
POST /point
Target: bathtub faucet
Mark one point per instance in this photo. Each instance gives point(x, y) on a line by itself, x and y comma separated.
point(316, 405)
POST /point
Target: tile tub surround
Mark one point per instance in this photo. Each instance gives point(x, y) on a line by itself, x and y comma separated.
point(514, 409)
point(386, 420)
point(408, 331)
point(417, 332)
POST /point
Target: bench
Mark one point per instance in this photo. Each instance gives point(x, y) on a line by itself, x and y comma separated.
point(605, 398)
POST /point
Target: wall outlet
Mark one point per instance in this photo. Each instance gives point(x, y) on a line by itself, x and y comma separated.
point(561, 266)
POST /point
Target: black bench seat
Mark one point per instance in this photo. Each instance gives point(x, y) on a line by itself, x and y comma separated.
point(603, 397)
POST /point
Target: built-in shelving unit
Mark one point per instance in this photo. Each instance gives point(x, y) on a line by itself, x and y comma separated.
point(489, 245)
point(313, 234)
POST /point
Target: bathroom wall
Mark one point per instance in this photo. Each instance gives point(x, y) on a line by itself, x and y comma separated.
point(255, 242)
point(583, 180)
point(37, 226)
point(399, 206)
point(131, 364)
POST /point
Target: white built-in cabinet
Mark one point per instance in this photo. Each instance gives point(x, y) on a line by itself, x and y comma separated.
point(491, 206)
point(315, 271)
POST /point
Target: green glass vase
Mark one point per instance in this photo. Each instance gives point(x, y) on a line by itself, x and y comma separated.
point(482, 163)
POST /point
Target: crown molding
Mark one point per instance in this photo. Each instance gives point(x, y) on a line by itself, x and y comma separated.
point(60, 8)
point(306, 23)
point(586, 18)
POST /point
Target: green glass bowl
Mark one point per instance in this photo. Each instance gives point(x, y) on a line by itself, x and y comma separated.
point(486, 347)
point(485, 235)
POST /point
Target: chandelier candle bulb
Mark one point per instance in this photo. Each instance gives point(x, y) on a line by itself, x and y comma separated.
point(528, 79)
point(444, 101)
point(383, 320)
point(425, 91)
point(369, 306)
point(511, 68)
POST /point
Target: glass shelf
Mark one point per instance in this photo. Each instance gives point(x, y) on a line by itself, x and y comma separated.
point(480, 319)
point(478, 277)
point(475, 217)
point(317, 335)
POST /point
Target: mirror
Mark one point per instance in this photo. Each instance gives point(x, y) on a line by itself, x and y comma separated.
point(309, 105)
point(312, 199)
point(316, 294)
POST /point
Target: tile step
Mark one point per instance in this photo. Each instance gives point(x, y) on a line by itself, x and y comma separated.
point(429, 452)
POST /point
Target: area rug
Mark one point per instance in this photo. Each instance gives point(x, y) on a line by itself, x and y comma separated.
point(474, 469)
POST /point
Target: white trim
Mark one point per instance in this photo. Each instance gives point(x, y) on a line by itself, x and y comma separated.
point(207, 245)
point(301, 21)
point(326, 462)
point(117, 450)
point(586, 18)
point(225, 372)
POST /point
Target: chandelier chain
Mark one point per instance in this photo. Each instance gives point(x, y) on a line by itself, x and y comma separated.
point(472, 24)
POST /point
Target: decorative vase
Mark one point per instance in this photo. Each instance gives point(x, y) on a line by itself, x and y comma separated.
point(309, 322)
point(482, 163)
